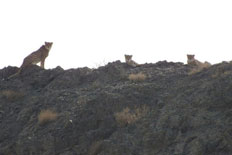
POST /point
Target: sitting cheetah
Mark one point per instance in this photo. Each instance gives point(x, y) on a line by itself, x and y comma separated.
point(35, 57)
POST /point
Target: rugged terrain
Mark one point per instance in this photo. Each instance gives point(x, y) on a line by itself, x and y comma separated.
point(169, 110)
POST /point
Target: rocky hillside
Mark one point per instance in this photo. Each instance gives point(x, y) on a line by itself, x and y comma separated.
point(153, 109)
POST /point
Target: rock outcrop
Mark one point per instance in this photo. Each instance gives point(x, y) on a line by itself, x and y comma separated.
point(167, 111)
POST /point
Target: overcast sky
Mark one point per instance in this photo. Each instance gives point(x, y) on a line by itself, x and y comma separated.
point(94, 32)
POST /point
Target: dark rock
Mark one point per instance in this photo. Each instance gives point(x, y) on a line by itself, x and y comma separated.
point(102, 112)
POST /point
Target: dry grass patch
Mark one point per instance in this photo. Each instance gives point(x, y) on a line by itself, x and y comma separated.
point(127, 116)
point(221, 74)
point(95, 148)
point(46, 116)
point(12, 95)
point(137, 77)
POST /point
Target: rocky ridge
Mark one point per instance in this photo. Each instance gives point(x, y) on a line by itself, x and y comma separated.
point(103, 112)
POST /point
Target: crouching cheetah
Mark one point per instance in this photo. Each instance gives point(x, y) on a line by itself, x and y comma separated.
point(130, 62)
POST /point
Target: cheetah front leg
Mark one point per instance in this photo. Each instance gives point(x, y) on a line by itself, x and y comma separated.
point(42, 63)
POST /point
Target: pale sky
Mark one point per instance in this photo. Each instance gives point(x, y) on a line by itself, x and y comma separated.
point(95, 32)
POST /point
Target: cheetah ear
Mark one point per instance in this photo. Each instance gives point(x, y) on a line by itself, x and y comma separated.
point(190, 55)
point(48, 42)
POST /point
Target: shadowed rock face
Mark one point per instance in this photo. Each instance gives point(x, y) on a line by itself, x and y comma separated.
point(102, 112)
